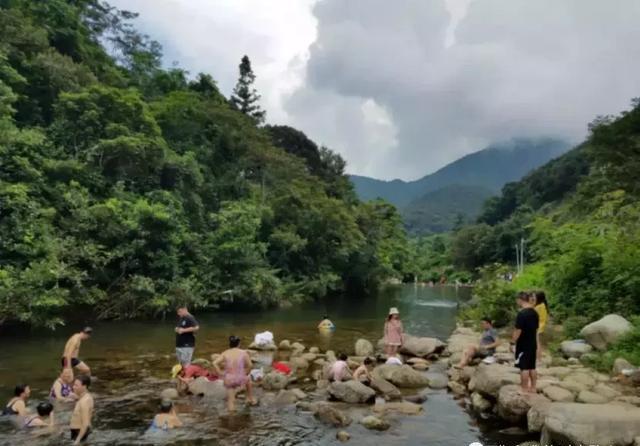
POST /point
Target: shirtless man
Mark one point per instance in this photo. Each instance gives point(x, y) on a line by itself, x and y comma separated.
point(83, 411)
point(72, 350)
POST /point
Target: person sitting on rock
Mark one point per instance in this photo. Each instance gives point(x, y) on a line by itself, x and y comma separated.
point(363, 373)
point(487, 347)
point(339, 370)
point(186, 374)
point(166, 419)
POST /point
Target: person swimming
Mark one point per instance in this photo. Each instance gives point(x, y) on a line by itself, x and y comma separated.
point(17, 405)
point(326, 324)
point(62, 388)
point(166, 419)
point(45, 411)
point(237, 365)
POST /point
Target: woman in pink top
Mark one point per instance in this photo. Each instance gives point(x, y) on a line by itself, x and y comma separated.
point(393, 332)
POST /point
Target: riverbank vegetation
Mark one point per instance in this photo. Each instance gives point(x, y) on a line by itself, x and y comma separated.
point(126, 187)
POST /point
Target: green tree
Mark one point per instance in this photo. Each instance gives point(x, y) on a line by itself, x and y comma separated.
point(245, 97)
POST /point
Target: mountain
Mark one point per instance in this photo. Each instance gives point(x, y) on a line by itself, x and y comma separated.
point(490, 168)
point(442, 209)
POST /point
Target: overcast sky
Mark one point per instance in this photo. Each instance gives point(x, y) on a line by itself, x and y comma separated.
point(401, 88)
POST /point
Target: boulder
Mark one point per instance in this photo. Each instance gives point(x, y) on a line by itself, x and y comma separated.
point(458, 342)
point(635, 377)
point(621, 364)
point(575, 349)
point(420, 367)
point(415, 346)
point(583, 378)
point(403, 407)
point(490, 378)
point(331, 356)
point(480, 403)
point(274, 381)
point(402, 376)
point(296, 346)
point(437, 380)
point(351, 392)
point(314, 350)
point(606, 391)
point(558, 372)
point(555, 393)
point(284, 345)
point(309, 357)
point(384, 387)
point(343, 436)
point(632, 400)
point(414, 361)
point(605, 331)
point(418, 398)
point(169, 394)
point(543, 383)
point(536, 416)
point(363, 348)
point(330, 415)
point(285, 397)
point(299, 394)
point(589, 397)
point(374, 423)
point(596, 424)
point(299, 363)
point(513, 405)
point(203, 387)
point(322, 384)
point(457, 388)
point(269, 346)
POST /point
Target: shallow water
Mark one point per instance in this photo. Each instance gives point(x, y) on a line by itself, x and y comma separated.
point(131, 360)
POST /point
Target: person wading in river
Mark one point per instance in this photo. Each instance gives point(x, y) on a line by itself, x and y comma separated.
point(62, 388)
point(83, 411)
point(393, 332)
point(185, 339)
point(237, 366)
point(18, 404)
point(525, 338)
point(70, 356)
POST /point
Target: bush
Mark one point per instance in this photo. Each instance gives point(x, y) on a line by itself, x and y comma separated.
point(572, 325)
point(493, 296)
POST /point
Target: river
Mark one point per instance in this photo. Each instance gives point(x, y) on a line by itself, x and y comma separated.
point(131, 360)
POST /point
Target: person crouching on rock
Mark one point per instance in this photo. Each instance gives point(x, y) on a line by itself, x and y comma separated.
point(393, 332)
point(339, 370)
point(186, 374)
point(487, 347)
point(237, 366)
point(363, 373)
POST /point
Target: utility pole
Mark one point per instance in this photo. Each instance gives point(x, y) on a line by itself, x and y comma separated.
point(522, 255)
point(517, 259)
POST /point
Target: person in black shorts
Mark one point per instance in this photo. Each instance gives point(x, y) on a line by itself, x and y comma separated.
point(525, 338)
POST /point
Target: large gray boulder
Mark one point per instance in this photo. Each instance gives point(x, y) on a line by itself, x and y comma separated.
point(513, 405)
point(363, 348)
point(588, 397)
point(575, 349)
point(555, 393)
point(203, 387)
point(384, 387)
point(601, 424)
point(605, 331)
point(490, 378)
point(402, 376)
point(415, 346)
point(352, 392)
point(537, 415)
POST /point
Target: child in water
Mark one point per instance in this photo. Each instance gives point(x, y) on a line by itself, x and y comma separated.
point(326, 324)
point(167, 418)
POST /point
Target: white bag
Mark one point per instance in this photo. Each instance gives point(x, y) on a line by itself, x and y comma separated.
point(264, 338)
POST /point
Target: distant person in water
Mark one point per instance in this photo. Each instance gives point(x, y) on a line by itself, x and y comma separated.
point(185, 338)
point(71, 354)
point(237, 366)
point(487, 346)
point(167, 418)
point(62, 388)
point(44, 418)
point(393, 332)
point(363, 372)
point(18, 404)
point(326, 324)
point(339, 370)
point(82, 414)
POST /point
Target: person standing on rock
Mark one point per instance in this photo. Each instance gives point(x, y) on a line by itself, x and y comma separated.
point(542, 308)
point(393, 332)
point(185, 338)
point(524, 339)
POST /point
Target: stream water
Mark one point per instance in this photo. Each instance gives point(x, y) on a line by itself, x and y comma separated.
point(132, 359)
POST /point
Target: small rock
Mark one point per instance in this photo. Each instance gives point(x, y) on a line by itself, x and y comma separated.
point(633, 400)
point(621, 364)
point(575, 349)
point(314, 350)
point(374, 423)
point(343, 436)
point(296, 346)
point(285, 397)
point(606, 391)
point(330, 415)
point(363, 348)
point(414, 361)
point(437, 380)
point(480, 403)
point(284, 345)
point(169, 394)
point(299, 394)
point(299, 363)
point(457, 388)
point(309, 357)
point(331, 356)
point(555, 393)
point(274, 381)
point(404, 407)
point(420, 367)
point(420, 398)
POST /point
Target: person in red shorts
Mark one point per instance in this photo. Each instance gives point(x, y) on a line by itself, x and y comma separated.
point(188, 373)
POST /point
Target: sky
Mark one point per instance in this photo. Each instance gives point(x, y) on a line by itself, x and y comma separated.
point(400, 88)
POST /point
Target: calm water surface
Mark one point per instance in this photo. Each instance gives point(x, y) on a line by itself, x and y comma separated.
point(131, 361)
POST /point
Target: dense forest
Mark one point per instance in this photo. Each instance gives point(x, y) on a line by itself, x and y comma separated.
point(126, 187)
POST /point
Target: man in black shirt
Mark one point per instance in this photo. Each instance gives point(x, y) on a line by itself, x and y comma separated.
point(185, 340)
point(526, 345)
